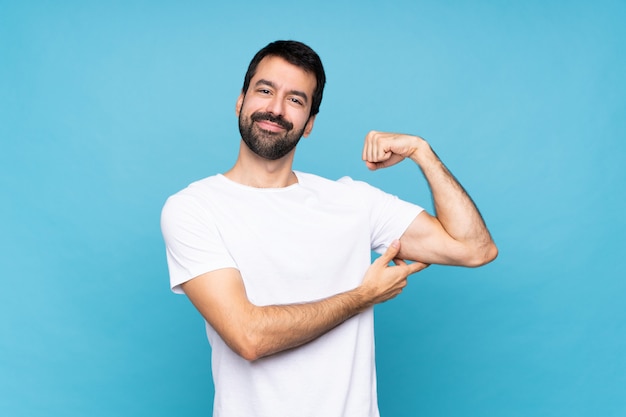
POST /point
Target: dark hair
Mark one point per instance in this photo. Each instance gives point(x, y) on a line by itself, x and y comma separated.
point(298, 54)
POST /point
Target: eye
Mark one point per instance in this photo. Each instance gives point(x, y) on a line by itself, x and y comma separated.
point(264, 91)
point(297, 101)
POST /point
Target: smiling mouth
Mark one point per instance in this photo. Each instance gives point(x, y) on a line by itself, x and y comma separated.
point(269, 126)
point(271, 123)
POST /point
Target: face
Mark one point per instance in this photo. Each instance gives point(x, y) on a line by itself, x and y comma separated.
point(274, 112)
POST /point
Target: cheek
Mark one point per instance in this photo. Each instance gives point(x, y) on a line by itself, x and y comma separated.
point(300, 119)
point(246, 105)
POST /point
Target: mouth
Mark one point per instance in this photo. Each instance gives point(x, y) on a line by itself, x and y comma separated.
point(271, 123)
point(269, 126)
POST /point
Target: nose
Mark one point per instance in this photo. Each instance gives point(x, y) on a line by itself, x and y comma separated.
point(275, 106)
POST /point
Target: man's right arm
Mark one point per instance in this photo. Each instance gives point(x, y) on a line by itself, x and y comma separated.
point(256, 331)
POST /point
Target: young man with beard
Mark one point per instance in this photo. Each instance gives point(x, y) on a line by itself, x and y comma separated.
point(278, 261)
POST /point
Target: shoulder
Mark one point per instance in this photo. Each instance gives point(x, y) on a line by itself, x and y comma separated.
point(342, 184)
point(193, 198)
point(202, 186)
point(345, 189)
point(200, 189)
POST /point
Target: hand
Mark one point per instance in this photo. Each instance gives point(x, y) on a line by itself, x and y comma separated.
point(382, 149)
point(383, 282)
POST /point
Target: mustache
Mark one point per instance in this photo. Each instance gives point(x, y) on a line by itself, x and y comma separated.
point(279, 120)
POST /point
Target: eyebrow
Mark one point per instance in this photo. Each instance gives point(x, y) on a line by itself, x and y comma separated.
point(269, 83)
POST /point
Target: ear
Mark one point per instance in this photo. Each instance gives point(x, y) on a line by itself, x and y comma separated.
point(239, 104)
point(309, 126)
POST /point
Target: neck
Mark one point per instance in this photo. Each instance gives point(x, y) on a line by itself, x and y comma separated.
point(254, 171)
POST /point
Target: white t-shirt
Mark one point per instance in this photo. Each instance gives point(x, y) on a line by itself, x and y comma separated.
point(295, 244)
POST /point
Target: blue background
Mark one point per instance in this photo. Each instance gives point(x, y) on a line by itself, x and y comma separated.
point(107, 108)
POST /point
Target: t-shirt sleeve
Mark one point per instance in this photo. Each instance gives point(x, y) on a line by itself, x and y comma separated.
point(389, 215)
point(193, 242)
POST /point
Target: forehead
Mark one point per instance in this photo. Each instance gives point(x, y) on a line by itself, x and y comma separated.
point(284, 75)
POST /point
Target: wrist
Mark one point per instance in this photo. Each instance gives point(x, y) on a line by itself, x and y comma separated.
point(423, 153)
point(362, 298)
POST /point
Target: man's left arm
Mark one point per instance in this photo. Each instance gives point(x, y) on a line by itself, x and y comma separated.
point(457, 234)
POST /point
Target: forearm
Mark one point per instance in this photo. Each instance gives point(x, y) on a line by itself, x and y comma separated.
point(278, 328)
point(256, 331)
point(275, 328)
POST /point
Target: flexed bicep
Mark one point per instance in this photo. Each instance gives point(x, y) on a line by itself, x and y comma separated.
point(426, 240)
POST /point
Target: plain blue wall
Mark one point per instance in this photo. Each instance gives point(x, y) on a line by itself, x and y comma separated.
point(106, 108)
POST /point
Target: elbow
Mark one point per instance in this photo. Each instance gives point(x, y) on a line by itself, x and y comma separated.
point(247, 346)
point(491, 253)
point(249, 353)
point(483, 255)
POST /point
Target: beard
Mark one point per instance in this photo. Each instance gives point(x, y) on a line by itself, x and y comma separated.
point(266, 144)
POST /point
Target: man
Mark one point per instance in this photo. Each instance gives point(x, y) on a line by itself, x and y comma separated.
point(278, 261)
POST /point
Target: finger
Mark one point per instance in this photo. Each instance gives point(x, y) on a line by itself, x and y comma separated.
point(416, 267)
point(391, 252)
point(379, 151)
point(371, 165)
point(376, 149)
point(368, 145)
point(410, 268)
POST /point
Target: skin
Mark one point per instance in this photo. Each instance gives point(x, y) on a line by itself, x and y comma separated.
point(285, 99)
point(456, 235)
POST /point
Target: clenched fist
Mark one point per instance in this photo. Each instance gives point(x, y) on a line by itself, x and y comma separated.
point(382, 149)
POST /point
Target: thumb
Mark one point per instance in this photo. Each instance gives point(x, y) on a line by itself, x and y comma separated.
point(391, 252)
